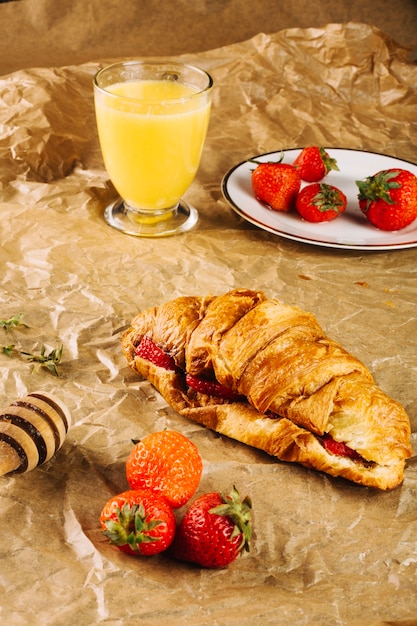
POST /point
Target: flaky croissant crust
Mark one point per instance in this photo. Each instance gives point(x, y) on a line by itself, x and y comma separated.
point(281, 361)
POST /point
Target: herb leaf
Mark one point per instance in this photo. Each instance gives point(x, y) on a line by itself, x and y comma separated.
point(45, 359)
point(12, 322)
point(7, 350)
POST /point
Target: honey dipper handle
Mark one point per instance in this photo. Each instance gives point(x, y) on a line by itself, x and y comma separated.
point(32, 429)
point(9, 459)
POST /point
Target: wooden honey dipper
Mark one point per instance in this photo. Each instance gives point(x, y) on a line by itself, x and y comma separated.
point(32, 429)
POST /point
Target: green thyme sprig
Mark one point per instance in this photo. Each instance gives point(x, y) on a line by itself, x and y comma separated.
point(49, 360)
point(13, 322)
point(45, 359)
point(7, 350)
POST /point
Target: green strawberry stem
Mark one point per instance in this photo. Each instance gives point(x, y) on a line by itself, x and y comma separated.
point(131, 527)
point(378, 187)
point(329, 162)
point(264, 162)
point(327, 199)
point(240, 514)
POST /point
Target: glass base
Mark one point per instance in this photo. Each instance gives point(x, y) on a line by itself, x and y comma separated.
point(141, 224)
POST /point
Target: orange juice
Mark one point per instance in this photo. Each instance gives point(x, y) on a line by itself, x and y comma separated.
point(151, 134)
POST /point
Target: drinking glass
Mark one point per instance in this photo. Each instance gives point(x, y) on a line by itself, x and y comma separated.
point(152, 119)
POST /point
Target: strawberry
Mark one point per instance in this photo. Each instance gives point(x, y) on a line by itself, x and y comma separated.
point(167, 463)
point(339, 448)
point(389, 198)
point(138, 522)
point(147, 349)
point(214, 530)
point(211, 388)
point(314, 163)
point(276, 184)
point(320, 202)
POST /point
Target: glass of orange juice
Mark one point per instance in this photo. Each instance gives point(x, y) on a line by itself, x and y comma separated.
point(152, 119)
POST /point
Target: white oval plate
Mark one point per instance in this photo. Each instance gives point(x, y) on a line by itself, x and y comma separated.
point(351, 230)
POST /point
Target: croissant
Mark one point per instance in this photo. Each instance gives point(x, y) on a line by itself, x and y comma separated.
point(265, 374)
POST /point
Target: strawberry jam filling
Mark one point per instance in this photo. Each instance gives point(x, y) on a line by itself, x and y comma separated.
point(212, 388)
point(150, 351)
point(339, 448)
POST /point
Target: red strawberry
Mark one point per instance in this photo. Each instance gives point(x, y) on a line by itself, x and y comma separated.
point(211, 388)
point(167, 463)
point(320, 202)
point(276, 184)
point(214, 530)
point(314, 163)
point(339, 448)
point(147, 349)
point(138, 522)
point(389, 198)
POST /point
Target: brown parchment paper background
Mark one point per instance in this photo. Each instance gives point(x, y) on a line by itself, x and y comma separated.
point(46, 32)
point(324, 551)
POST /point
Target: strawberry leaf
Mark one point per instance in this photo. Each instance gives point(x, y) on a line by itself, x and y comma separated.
point(239, 512)
point(378, 187)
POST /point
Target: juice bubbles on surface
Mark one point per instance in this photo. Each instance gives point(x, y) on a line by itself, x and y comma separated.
point(151, 134)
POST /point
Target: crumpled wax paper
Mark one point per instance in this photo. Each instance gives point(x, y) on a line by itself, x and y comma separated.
point(324, 551)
